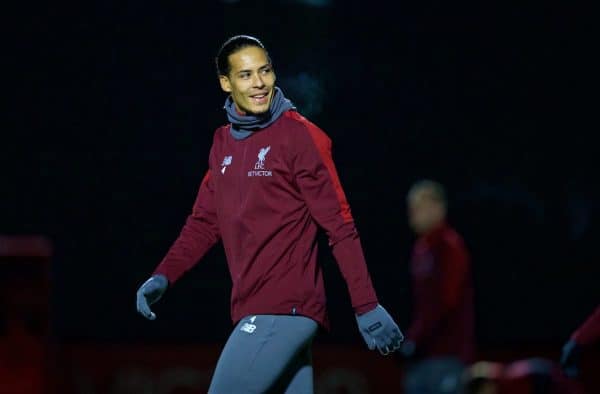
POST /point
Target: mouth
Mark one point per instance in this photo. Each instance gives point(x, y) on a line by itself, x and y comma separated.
point(260, 98)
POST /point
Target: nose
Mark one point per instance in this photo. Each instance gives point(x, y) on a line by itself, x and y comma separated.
point(258, 81)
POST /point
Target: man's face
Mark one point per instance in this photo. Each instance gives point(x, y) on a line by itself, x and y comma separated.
point(250, 81)
point(424, 212)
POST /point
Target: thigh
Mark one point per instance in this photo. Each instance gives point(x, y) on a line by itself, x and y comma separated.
point(259, 351)
point(302, 382)
point(298, 379)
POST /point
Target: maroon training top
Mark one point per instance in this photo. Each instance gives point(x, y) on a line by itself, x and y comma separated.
point(265, 197)
point(443, 317)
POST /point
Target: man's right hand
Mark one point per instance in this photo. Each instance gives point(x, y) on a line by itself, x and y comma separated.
point(150, 292)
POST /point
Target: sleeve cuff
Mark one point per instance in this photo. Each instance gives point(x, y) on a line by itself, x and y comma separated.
point(359, 310)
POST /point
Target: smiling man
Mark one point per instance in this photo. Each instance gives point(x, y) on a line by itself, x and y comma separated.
point(270, 186)
point(250, 80)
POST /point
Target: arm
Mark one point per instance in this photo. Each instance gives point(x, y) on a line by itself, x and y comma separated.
point(589, 331)
point(321, 189)
point(584, 335)
point(199, 233)
point(427, 305)
point(197, 236)
point(438, 291)
point(320, 186)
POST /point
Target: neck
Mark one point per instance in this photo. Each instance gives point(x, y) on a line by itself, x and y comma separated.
point(239, 111)
point(244, 124)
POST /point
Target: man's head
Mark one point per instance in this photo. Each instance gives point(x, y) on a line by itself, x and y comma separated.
point(426, 202)
point(246, 73)
point(482, 377)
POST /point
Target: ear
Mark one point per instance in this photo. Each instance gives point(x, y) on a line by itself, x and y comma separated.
point(225, 83)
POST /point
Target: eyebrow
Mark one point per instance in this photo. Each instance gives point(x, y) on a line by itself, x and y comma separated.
point(268, 65)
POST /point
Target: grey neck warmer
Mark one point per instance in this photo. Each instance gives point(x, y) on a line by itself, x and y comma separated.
point(242, 126)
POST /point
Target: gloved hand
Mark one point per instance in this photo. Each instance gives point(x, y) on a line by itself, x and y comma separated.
point(150, 292)
point(379, 330)
point(569, 359)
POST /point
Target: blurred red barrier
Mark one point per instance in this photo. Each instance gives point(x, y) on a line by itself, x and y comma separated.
point(169, 369)
point(24, 311)
point(178, 369)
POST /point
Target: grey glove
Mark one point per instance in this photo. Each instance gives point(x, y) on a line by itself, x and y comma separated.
point(150, 292)
point(569, 358)
point(379, 330)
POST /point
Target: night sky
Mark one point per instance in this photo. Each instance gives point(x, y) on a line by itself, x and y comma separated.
point(110, 109)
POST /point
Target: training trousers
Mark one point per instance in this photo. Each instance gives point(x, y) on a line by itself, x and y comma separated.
point(267, 354)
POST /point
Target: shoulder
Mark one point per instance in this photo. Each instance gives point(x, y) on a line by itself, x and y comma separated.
point(220, 134)
point(301, 130)
point(452, 240)
point(219, 141)
point(451, 235)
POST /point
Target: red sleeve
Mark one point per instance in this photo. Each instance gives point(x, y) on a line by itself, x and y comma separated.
point(589, 331)
point(438, 283)
point(317, 178)
point(199, 233)
point(456, 272)
point(427, 300)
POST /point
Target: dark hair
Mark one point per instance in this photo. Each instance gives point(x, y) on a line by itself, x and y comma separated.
point(434, 190)
point(231, 46)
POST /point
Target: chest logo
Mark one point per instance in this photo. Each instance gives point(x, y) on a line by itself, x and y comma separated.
point(260, 164)
point(259, 167)
point(226, 161)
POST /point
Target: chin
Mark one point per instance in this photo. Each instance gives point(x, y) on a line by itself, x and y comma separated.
point(419, 230)
point(258, 110)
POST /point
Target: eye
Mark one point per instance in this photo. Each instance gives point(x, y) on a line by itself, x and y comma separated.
point(266, 71)
point(245, 75)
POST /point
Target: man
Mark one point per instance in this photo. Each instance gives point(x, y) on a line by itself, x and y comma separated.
point(535, 375)
point(583, 337)
point(440, 339)
point(271, 183)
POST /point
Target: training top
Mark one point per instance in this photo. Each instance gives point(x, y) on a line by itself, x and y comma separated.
point(265, 197)
point(443, 309)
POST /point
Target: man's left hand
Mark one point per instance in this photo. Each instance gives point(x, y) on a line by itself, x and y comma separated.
point(379, 330)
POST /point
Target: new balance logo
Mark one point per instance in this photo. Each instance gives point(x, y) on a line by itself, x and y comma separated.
point(226, 161)
point(249, 327)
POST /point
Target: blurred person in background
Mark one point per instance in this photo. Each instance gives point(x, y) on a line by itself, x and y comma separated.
point(271, 185)
point(527, 376)
point(482, 377)
point(22, 339)
point(441, 339)
point(586, 335)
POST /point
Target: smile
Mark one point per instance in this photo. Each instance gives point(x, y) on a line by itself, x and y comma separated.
point(260, 98)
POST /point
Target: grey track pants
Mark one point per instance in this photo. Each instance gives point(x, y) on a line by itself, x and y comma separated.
point(267, 354)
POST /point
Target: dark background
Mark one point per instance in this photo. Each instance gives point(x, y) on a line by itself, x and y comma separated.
point(111, 106)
